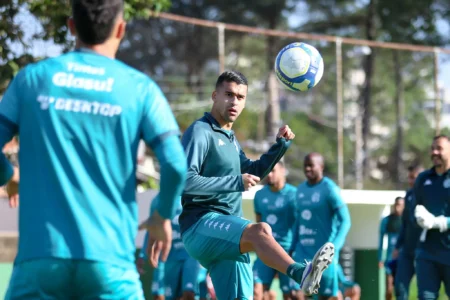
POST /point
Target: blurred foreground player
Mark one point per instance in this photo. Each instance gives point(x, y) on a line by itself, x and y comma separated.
point(407, 240)
point(80, 117)
point(432, 212)
point(212, 227)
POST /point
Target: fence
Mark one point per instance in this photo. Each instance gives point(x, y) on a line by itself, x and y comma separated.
point(400, 101)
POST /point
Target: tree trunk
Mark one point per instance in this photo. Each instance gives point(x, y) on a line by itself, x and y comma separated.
point(366, 105)
point(400, 116)
point(273, 108)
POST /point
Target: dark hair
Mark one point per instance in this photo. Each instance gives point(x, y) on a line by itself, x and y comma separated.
point(441, 136)
point(415, 168)
point(398, 199)
point(231, 76)
point(94, 19)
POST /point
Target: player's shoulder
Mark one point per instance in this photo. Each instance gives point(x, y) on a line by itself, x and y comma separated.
point(199, 127)
point(261, 192)
point(423, 176)
point(290, 188)
point(330, 185)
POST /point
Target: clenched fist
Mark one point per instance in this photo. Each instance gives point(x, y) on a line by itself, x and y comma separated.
point(249, 180)
point(286, 132)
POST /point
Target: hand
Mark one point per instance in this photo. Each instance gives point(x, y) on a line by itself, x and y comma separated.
point(12, 189)
point(249, 180)
point(395, 254)
point(424, 218)
point(286, 132)
point(140, 263)
point(159, 238)
point(380, 264)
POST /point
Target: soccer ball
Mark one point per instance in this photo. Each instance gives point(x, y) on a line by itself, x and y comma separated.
point(299, 67)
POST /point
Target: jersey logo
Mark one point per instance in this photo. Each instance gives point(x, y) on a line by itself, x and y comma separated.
point(279, 202)
point(315, 197)
point(271, 219)
point(427, 182)
point(221, 143)
point(265, 201)
point(306, 214)
point(301, 195)
point(447, 183)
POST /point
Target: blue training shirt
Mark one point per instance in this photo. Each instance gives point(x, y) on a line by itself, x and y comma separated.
point(80, 117)
point(322, 217)
point(278, 210)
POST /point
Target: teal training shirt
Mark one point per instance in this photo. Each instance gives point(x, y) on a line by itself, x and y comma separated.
point(80, 117)
point(433, 192)
point(216, 163)
point(322, 217)
point(278, 210)
point(390, 226)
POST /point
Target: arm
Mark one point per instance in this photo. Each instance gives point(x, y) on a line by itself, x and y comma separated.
point(257, 208)
point(381, 239)
point(196, 148)
point(401, 236)
point(9, 121)
point(342, 221)
point(161, 133)
point(295, 232)
point(267, 161)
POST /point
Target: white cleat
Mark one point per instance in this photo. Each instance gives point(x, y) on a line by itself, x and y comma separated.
point(313, 272)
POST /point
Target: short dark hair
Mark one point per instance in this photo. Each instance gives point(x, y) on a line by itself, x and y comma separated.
point(441, 136)
point(94, 19)
point(415, 167)
point(231, 76)
point(398, 199)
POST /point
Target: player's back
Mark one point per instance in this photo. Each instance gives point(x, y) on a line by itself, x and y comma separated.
point(80, 118)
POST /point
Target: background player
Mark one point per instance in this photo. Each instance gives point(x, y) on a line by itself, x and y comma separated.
point(181, 276)
point(431, 193)
point(275, 205)
point(348, 290)
point(82, 114)
point(407, 240)
point(322, 217)
point(390, 226)
point(212, 228)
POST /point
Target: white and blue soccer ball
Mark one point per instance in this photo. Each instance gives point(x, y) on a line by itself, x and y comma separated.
point(299, 67)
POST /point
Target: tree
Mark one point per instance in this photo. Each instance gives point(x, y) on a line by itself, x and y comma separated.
point(52, 16)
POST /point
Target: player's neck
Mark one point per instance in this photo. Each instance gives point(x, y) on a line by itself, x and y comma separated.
point(222, 123)
point(102, 49)
point(277, 187)
point(442, 168)
point(315, 180)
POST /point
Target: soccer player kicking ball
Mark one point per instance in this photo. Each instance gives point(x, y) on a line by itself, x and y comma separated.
point(275, 205)
point(432, 212)
point(212, 228)
point(322, 217)
point(407, 240)
point(80, 117)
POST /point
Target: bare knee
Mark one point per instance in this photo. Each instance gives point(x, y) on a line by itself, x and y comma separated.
point(254, 233)
point(188, 295)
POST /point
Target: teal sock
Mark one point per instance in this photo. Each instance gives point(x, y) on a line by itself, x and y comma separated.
point(295, 271)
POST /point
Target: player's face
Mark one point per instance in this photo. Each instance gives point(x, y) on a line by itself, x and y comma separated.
point(440, 152)
point(276, 175)
point(399, 206)
point(229, 100)
point(313, 168)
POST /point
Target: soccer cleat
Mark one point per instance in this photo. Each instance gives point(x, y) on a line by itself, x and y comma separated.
point(313, 272)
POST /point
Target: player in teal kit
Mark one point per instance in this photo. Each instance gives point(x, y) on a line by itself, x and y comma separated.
point(407, 241)
point(80, 118)
point(432, 212)
point(390, 226)
point(212, 227)
point(322, 217)
point(275, 205)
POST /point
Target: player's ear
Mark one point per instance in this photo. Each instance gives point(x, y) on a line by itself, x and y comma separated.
point(71, 25)
point(120, 33)
point(213, 96)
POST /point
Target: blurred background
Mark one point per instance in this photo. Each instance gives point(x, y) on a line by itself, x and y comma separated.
point(383, 96)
